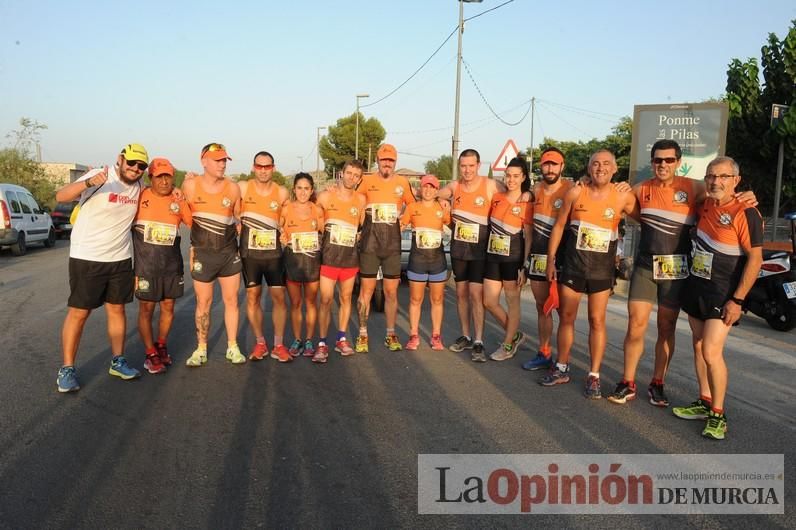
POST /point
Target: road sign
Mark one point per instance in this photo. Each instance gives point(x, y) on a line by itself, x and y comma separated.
point(508, 152)
point(777, 113)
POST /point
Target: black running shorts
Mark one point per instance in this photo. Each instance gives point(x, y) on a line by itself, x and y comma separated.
point(211, 264)
point(157, 289)
point(94, 283)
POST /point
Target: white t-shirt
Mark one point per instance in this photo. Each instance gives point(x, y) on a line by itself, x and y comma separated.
point(102, 231)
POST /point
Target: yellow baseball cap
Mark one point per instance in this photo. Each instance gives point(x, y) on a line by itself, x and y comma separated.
point(135, 152)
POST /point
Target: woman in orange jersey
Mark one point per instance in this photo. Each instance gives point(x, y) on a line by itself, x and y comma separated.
point(427, 262)
point(302, 223)
point(510, 222)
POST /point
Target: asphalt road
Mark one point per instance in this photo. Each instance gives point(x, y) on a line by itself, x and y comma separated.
point(300, 445)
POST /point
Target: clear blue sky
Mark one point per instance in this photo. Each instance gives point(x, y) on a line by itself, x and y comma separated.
point(263, 75)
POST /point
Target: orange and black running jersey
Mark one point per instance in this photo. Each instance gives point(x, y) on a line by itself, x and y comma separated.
point(545, 213)
point(428, 221)
point(303, 232)
point(593, 233)
point(259, 217)
point(470, 216)
point(381, 233)
point(724, 235)
point(506, 221)
point(213, 218)
point(667, 215)
point(156, 236)
point(340, 246)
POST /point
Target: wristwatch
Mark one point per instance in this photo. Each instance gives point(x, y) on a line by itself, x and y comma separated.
point(88, 183)
point(738, 301)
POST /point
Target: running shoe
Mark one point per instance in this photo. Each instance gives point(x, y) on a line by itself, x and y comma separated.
point(540, 361)
point(67, 380)
point(296, 347)
point(519, 338)
point(592, 388)
point(153, 364)
point(120, 368)
point(281, 354)
point(716, 426)
point(623, 393)
point(555, 376)
point(697, 410)
point(343, 348)
point(259, 352)
point(503, 353)
point(321, 354)
point(392, 342)
point(436, 343)
point(163, 353)
point(461, 344)
point(657, 396)
point(197, 358)
point(362, 344)
point(309, 349)
point(234, 355)
point(413, 343)
point(478, 355)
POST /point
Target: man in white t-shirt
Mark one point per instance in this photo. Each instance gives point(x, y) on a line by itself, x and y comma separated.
point(100, 257)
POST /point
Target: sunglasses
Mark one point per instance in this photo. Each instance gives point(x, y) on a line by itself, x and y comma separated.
point(668, 160)
point(141, 165)
point(213, 147)
point(263, 166)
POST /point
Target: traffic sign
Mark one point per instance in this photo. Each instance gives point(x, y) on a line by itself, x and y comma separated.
point(508, 152)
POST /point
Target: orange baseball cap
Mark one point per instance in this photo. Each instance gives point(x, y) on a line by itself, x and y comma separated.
point(159, 166)
point(215, 151)
point(387, 151)
point(551, 156)
point(429, 179)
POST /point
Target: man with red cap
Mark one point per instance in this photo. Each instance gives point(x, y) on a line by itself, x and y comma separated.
point(215, 203)
point(380, 245)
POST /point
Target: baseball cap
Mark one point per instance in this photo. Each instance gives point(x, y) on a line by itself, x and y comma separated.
point(429, 179)
point(159, 166)
point(551, 156)
point(215, 151)
point(387, 151)
point(135, 152)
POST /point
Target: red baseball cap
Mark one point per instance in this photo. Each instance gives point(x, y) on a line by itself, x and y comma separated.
point(429, 179)
point(159, 166)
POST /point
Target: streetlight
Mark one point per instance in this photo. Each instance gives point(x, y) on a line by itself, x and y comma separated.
point(318, 154)
point(455, 146)
point(356, 134)
point(301, 159)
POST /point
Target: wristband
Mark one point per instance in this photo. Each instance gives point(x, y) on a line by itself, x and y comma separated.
point(738, 301)
point(88, 183)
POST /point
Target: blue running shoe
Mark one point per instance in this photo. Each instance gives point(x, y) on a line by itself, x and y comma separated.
point(119, 368)
point(538, 362)
point(555, 377)
point(67, 380)
point(591, 389)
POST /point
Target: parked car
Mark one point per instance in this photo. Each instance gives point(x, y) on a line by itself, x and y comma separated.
point(22, 221)
point(60, 217)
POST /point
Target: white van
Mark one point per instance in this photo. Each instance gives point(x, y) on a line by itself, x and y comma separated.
point(22, 221)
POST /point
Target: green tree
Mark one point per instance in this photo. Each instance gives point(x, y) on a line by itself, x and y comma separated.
point(17, 167)
point(750, 138)
point(338, 146)
point(277, 177)
point(440, 167)
point(27, 136)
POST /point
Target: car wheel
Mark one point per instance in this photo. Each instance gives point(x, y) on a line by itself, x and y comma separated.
point(50, 241)
point(19, 248)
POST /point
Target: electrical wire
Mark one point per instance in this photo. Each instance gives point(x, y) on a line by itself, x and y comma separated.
point(470, 75)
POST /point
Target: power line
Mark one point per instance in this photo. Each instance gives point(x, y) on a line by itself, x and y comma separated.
point(470, 75)
point(566, 122)
point(487, 118)
point(488, 10)
point(587, 111)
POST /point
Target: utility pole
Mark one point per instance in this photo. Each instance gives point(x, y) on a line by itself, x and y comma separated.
point(318, 154)
point(356, 134)
point(530, 155)
point(455, 143)
point(301, 159)
point(777, 112)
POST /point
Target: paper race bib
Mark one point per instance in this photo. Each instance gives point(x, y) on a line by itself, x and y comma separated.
point(466, 232)
point(593, 239)
point(384, 212)
point(499, 244)
point(669, 267)
point(344, 236)
point(538, 264)
point(262, 239)
point(160, 233)
point(305, 242)
point(702, 264)
point(426, 238)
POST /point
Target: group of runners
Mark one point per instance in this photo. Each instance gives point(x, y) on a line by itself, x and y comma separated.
point(560, 236)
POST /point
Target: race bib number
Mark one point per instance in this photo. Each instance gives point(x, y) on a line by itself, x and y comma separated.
point(344, 236)
point(499, 244)
point(669, 267)
point(385, 213)
point(160, 233)
point(593, 239)
point(466, 232)
point(427, 239)
point(702, 264)
point(305, 242)
point(538, 264)
point(262, 239)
